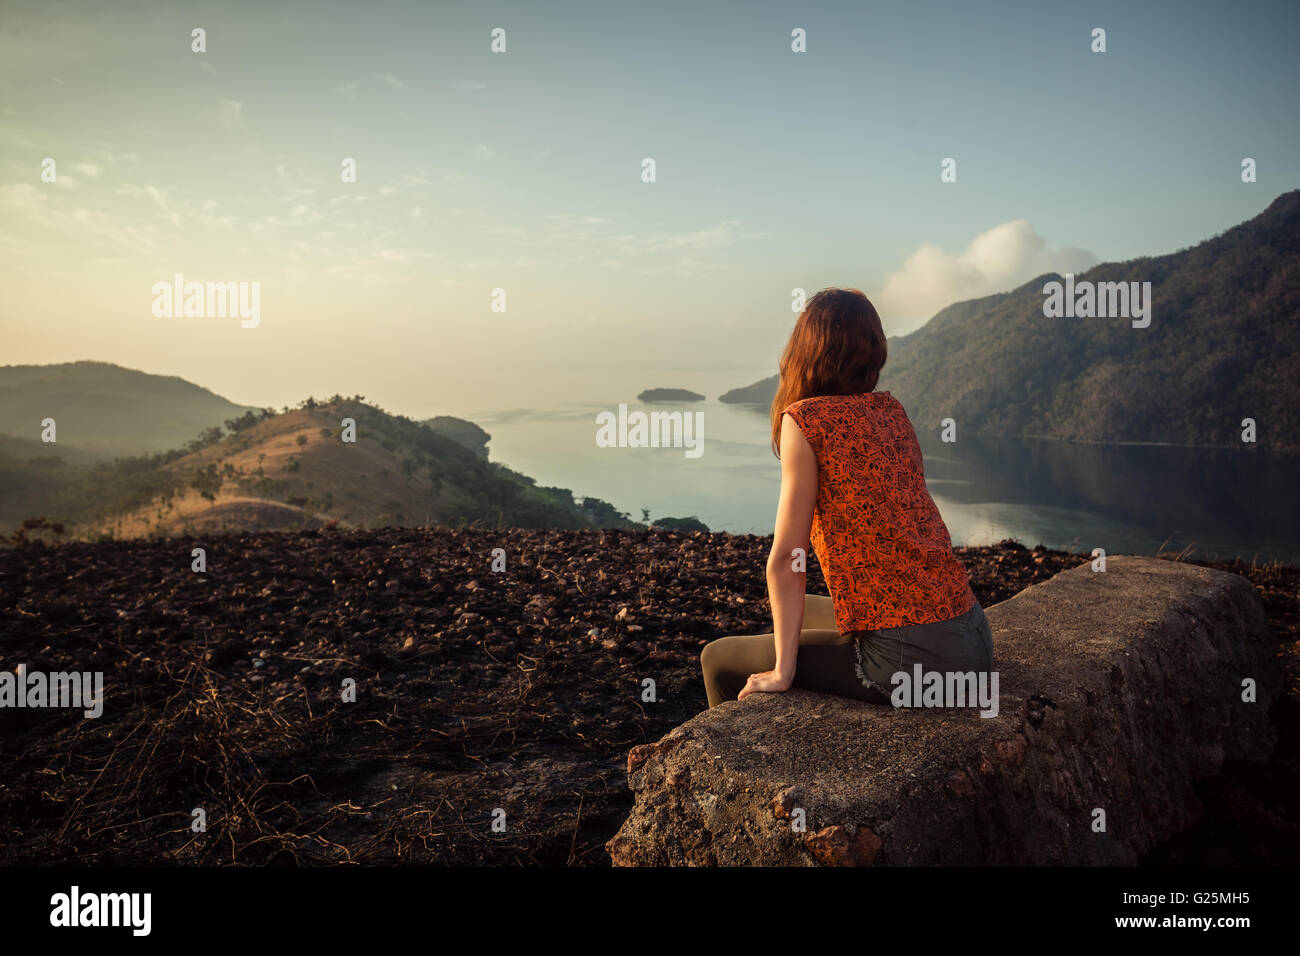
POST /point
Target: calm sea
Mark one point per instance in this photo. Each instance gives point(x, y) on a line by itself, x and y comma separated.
point(1123, 498)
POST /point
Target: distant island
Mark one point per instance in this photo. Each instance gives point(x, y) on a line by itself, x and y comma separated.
point(1223, 346)
point(680, 524)
point(669, 395)
point(760, 393)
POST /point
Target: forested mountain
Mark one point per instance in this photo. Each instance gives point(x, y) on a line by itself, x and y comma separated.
point(108, 410)
point(1223, 344)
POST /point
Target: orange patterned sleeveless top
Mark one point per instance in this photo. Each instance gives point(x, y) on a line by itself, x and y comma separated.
point(884, 549)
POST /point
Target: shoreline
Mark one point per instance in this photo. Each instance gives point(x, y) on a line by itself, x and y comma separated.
point(1288, 450)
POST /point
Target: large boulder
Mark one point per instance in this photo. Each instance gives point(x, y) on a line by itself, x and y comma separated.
point(1117, 690)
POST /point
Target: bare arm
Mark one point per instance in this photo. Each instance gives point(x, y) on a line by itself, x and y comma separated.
point(785, 586)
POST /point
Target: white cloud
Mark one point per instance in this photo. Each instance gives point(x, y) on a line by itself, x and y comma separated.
point(393, 81)
point(997, 260)
point(292, 191)
point(229, 113)
point(207, 68)
point(109, 156)
point(155, 195)
point(720, 236)
point(33, 204)
point(23, 198)
point(89, 170)
point(346, 90)
point(586, 229)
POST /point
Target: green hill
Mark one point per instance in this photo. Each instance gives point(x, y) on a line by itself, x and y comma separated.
point(107, 410)
point(287, 470)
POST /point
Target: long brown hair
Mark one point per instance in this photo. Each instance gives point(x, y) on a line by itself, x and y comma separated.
point(837, 348)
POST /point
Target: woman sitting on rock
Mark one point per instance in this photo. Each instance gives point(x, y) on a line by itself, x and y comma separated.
point(852, 484)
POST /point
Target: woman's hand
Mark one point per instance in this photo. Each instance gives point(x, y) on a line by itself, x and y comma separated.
point(768, 682)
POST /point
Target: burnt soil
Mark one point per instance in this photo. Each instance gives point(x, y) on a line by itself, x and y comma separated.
point(477, 694)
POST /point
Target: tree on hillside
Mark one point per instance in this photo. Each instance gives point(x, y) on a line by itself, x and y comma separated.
point(248, 419)
point(207, 481)
point(209, 436)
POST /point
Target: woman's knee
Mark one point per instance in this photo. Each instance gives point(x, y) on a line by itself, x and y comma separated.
point(709, 656)
point(736, 654)
point(715, 655)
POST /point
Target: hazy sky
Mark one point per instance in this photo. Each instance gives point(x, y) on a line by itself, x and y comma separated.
point(522, 170)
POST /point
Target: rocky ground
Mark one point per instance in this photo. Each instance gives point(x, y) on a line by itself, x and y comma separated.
point(479, 696)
